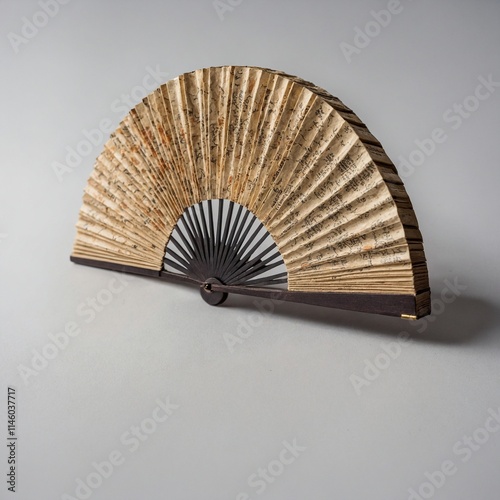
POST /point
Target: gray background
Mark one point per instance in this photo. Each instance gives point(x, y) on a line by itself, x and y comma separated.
point(292, 377)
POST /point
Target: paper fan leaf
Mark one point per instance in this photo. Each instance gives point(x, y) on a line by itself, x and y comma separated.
point(281, 150)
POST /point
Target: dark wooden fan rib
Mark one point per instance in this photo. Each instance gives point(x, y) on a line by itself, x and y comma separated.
point(233, 256)
point(406, 306)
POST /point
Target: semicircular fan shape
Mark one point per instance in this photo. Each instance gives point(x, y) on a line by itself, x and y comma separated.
point(295, 157)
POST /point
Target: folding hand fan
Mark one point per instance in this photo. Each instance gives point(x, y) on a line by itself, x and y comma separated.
point(247, 180)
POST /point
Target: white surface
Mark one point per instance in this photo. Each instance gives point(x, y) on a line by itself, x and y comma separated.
point(291, 379)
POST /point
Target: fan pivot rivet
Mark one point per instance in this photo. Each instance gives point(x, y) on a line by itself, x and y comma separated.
point(210, 296)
